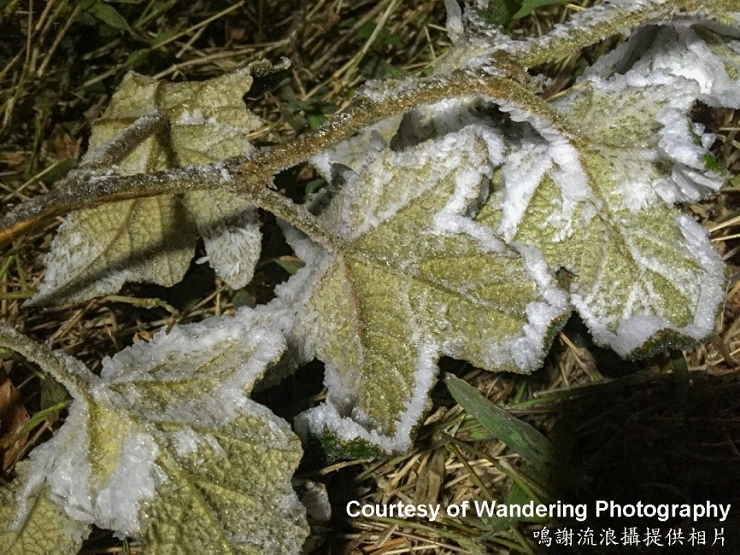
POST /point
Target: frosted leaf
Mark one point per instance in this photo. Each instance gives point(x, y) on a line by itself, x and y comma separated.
point(280, 313)
point(166, 447)
point(32, 523)
point(417, 279)
point(640, 279)
point(398, 132)
point(210, 125)
point(645, 130)
point(231, 232)
point(152, 240)
point(643, 275)
point(356, 152)
point(96, 251)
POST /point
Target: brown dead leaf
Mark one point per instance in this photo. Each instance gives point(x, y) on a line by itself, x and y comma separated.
point(13, 415)
point(14, 160)
point(64, 145)
point(431, 478)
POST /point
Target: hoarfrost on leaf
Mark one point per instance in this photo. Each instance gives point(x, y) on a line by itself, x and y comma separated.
point(96, 251)
point(231, 233)
point(589, 189)
point(414, 279)
point(643, 275)
point(165, 446)
point(357, 151)
point(152, 240)
point(33, 523)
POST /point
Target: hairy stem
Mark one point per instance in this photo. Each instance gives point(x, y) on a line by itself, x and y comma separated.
point(373, 103)
point(597, 23)
point(120, 146)
point(249, 174)
point(77, 382)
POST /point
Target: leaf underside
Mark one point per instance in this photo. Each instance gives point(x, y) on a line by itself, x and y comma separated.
point(152, 240)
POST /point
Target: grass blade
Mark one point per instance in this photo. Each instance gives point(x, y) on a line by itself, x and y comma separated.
point(520, 437)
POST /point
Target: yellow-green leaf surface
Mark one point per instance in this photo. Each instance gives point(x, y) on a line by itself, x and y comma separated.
point(153, 240)
point(96, 251)
point(230, 229)
point(415, 279)
point(642, 275)
point(31, 523)
point(167, 448)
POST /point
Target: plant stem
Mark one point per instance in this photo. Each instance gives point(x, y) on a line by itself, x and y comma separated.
point(248, 174)
point(597, 23)
point(120, 146)
point(374, 102)
point(71, 373)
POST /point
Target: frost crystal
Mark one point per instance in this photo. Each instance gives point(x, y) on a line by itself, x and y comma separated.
point(419, 279)
point(152, 240)
point(163, 446)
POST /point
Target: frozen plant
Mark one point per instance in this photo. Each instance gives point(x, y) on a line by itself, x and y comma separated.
point(461, 197)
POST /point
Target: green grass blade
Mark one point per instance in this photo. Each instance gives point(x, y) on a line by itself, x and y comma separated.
point(520, 437)
point(40, 416)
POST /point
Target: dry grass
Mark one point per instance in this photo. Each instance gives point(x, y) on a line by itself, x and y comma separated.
point(676, 414)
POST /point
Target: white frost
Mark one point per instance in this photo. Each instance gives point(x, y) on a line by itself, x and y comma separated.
point(455, 27)
point(328, 418)
point(134, 482)
point(471, 179)
point(192, 345)
point(528, 351)
point(58, 462)
point(636, 328)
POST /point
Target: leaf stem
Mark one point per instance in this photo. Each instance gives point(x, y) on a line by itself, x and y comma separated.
point(77, 380)
point(120, 146)
point(600, 22)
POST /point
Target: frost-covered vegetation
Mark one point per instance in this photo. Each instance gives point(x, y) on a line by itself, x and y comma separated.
point(463, 216)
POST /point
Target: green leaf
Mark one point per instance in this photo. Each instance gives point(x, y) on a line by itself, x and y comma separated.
point(516, 497)
point(31, 522)
point(413, 279)
point(288, 264)
point(711, 162)
point(109, 15)
point(41, 416)
point(384, 38)
point(164, 446)
point(153, 240)
point(499, 12)
point(520, 437)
